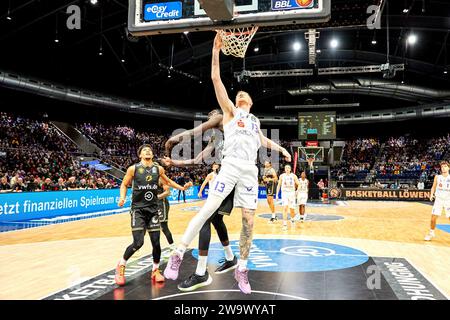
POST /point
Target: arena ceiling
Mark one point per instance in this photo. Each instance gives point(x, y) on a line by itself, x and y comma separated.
point(135, 68)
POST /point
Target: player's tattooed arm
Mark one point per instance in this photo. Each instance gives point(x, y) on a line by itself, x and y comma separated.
point(246, 233)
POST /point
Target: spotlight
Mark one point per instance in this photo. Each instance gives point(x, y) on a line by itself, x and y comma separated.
point(123, 60)
point(186, 32)
point(94, 2)
point(412, 39)
point(256, 49)
point(100, 53)
point(56, 40)
point(445, 71)
point(374, 42)
point(405, 10)
point(296, 46)
point(334, 43)
point(8, 18)
point(200, 81)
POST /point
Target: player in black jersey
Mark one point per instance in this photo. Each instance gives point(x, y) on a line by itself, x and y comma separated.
point(270, 179)
point(144, 178)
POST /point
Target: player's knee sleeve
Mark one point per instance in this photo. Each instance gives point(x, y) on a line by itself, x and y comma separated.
point(138, 239)
point(154, 237)
point(211, 205)
point(220, 227)
point(205, 236)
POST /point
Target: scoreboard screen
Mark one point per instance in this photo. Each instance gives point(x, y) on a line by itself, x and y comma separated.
point(324, 123)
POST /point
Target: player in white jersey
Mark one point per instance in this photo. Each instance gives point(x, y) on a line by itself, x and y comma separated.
point(302, 195)
point(441, 193)
point(288, 183)
point(243, 137)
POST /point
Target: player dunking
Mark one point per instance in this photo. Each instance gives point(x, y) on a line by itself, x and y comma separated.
point(201, 277)
point(287, 183)
point(302, 195)
point(270, 179)
point(440, 191)
point(243, 137)
point(145, 212)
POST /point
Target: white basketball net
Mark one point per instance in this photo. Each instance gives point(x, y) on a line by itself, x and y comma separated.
point(235, 41)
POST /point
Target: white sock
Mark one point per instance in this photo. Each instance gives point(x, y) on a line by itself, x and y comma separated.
point(180, 250)
point(123, 262)
point(228, 253)
point(201, 265)
point(155, 266)
point(242, 264)
point(431, 231)
point(172, 246)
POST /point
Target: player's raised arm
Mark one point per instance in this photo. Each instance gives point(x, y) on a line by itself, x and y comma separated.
point(213, 122)
point(225, 103)
point(126, 182)
point(190, 162)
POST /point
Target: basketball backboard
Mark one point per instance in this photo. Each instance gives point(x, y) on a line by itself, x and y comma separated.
point(305, 153)
point(150, 17)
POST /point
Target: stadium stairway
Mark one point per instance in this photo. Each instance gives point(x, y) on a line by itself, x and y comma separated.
point(91, 151)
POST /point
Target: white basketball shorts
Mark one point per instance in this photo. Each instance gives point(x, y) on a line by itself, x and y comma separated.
point(288, 199)
point(302, 198)
point(441, 205)
point(243, 175)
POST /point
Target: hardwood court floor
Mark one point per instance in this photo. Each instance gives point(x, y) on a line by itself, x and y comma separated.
point(40, 261)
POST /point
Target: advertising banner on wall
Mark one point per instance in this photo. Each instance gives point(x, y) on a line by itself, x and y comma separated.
point(381, 194)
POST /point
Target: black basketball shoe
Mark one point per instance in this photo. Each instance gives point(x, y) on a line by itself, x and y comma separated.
point(273, 220)
point(226, 265)
point(195, 281)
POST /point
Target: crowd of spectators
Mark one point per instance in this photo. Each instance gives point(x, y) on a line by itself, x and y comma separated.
point(393, 158)
point(35, 156)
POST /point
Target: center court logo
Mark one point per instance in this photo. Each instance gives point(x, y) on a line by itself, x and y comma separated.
point(287, 255)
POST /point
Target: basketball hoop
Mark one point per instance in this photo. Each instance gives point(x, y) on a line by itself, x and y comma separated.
point(235, 41)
